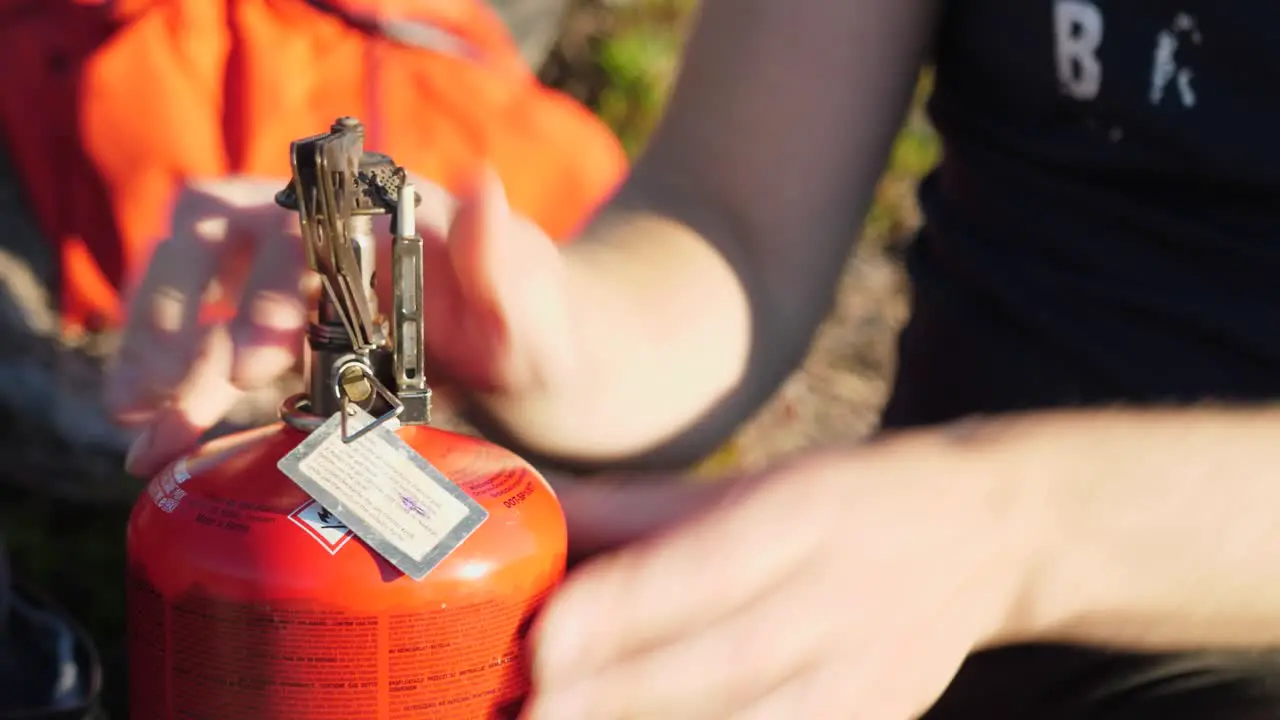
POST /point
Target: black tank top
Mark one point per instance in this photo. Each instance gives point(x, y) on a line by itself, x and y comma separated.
point(1105, 222)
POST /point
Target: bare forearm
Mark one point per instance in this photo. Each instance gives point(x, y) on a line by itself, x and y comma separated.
point(1152, 530)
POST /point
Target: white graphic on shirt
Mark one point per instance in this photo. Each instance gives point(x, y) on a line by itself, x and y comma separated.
point(1077, 32)
point(1165, 67)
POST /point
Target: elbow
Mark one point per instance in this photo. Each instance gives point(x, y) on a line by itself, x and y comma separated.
point(786, 311)
point(780, 344)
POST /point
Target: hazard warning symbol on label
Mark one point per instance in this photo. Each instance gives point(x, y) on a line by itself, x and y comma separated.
point(322, 525)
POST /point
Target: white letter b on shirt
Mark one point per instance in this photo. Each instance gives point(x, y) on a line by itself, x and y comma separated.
point(1077, 30)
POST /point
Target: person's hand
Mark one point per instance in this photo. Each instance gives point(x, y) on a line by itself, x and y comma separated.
point(179, 371)
point(494, 314)
point(842, 585)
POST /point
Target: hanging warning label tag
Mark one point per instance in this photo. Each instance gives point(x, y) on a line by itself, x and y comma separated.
point(399, 504)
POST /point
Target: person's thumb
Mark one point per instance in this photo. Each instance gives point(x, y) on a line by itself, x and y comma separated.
point(497, 313)
point(481, 245)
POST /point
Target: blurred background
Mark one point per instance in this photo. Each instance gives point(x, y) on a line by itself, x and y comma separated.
point(618, 57)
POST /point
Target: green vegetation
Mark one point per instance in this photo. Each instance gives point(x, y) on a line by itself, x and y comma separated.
point(639, 57)
point(639, 61)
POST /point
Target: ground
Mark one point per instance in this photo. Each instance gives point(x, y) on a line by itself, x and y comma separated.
point(618, 57)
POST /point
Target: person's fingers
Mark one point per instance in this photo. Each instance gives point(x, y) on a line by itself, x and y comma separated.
point(162, 328)
point(202, 398)
point(465, 334)
point(807, 694)
point(492, 281)
point(211, 223)
point(445, 323)
point(606, 513)
point(512, 285)
point(435, 212)
point(267, 331)
point(676, 582)
point(480, 244)
point(708, 672)
point(127, 390)
point(262, 341)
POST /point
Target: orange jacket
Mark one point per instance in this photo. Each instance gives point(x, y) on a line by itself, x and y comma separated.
point(106, 106)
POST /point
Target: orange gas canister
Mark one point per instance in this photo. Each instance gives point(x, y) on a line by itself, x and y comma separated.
point(350, 562)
